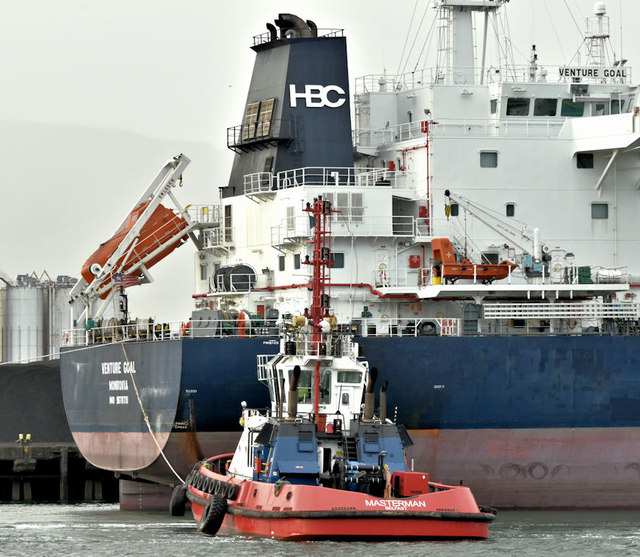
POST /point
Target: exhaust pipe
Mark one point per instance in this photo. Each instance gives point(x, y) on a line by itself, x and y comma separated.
point(292, 401)
point(370, 395)
point(383, 401)
point(293, 27)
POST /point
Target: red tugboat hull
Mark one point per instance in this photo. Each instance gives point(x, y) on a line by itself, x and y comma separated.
point(303, 512)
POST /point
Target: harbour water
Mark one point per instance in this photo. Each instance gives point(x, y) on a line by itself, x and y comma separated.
point(91, 529)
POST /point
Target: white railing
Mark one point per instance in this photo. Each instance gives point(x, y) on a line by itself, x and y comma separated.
point(329, 177)
point(217, 237)
point(490, 127)
point(562, 311)
point(258, 182)
point(204, 214)
point(512, 74)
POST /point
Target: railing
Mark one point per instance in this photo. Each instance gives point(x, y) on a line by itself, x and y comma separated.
point(490, 127)
point(264, 38)
point(512, 74)
point(342, 224)
point(205, 214)
point(246, 135)
point(341, 176)
point(562, 311)
point(217, 237)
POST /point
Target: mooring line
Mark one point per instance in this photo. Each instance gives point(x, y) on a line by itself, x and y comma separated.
point(146, 416)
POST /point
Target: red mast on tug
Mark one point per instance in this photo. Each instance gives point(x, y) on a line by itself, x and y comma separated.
point(321, 212)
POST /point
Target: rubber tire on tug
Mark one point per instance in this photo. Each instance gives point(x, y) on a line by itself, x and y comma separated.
point(213, 515)
point(178, 501)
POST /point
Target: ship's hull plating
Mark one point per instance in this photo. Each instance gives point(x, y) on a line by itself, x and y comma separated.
point(523, 421)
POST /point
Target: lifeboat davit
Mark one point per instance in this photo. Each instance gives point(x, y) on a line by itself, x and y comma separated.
point(448, 268)
point(163, 225)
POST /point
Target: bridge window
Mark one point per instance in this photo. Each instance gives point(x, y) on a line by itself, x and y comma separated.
point(296, 260)
point(545, 107)
point(615, 107)
point(599, 210)
point(517, 107)
point(281, 261)
point(488, 159)
point(572, 109)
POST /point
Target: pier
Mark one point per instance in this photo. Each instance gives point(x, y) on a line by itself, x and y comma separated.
point(52, 472)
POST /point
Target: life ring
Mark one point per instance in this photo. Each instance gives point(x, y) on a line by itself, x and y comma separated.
point(178, 501)
point(213, 515)
point(557, 267)
point(382, 273)
point(572, 323)
point(384, 318)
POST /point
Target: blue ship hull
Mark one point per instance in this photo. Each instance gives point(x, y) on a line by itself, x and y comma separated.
point(524, 421)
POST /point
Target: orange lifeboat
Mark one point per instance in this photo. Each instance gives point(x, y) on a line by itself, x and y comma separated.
point(452, 270)
point(162, 225)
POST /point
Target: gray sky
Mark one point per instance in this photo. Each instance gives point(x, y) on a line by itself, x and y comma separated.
point(96, 95)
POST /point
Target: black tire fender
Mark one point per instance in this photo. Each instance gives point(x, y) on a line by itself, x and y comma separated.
point(178, 501)
point(213, 515)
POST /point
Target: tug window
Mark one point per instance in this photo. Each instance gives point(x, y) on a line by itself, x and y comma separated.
point(615, 107)
point(599, 211)
point(349, 377)
point(517, 107)
point(488, 159)
point(545, 107)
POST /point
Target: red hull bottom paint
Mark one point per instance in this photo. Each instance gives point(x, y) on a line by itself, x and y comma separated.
point(536, 468)
point(297, 512)
point(505, 468)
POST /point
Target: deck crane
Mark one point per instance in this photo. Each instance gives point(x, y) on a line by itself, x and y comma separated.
point(535, 254)
point(149, 233)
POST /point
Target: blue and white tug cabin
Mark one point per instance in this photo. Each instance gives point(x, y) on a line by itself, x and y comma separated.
point(318, 431)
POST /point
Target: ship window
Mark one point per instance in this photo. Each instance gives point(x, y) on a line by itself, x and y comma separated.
point(572, 108)
point(350, 206)
point(491, 257)
point(510, 209)
point(291, 219)
point(599, 210)
point(338, 260)
point(455, 209)
point(488, 159)
point(517, 107)
point(228, 224)
point(281, 261)
point(296, 260)
point(615, 107)
point(264, 120)
point(545, 107)
point(249, 122)
point(493, 106)
point(349, 376)
point(584, 160)
point(203, 272)
point(598, 109)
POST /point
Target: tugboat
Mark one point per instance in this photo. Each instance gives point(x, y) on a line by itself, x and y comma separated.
point(328, 467)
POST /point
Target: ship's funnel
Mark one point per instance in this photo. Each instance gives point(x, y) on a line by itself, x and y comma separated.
point(292, 401)
point(293, 27)
point(370, 395)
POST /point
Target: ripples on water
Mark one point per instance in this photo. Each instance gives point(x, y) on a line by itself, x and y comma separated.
point(74, 530)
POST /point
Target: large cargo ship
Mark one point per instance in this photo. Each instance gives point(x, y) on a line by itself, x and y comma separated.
point(483, 254)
